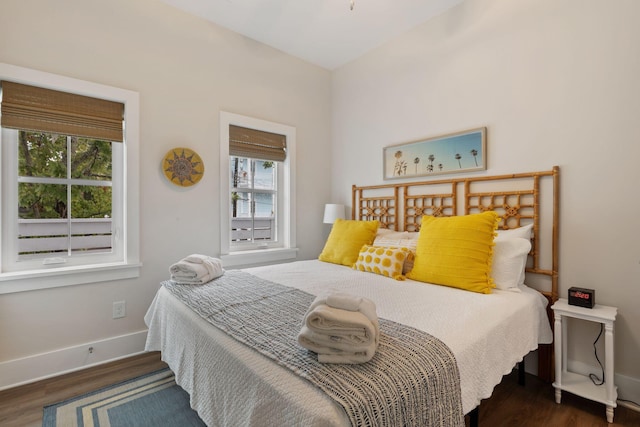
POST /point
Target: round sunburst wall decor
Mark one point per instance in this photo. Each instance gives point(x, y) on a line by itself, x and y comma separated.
point(183, 167)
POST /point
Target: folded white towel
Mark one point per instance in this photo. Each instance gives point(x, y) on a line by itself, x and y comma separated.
point(197, 258)
point(349, 327)
point(347, 302)
point(196, 269)
point(331, 353)
point(341, 328)
point(188, 270)
point(344, 301)
point(327, 343)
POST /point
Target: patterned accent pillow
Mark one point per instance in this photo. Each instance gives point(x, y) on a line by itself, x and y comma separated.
point(409, 244)
point(386, 261)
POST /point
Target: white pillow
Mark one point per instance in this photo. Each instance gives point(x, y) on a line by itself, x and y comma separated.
point(509, 262)
point(391, 241)
point(413, 235)
point(392, 234)
point(523, 232)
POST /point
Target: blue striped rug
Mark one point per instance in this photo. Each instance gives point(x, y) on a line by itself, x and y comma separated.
point(152, 400)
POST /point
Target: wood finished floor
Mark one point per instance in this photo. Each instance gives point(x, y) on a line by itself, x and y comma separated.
point(511, 405)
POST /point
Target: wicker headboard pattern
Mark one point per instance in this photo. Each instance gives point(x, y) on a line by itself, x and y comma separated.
point(519, 199)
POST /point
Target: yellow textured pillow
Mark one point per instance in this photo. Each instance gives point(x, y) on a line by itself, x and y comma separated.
point(345, 240)
point(456, 251)
point(386, 261)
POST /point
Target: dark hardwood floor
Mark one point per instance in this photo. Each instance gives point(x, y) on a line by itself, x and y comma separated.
point(22, 406)
point(534, 405)
point(511, 405)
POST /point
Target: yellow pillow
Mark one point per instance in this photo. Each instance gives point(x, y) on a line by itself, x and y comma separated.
point(456, 251)
point(345, 240)
point(409, 244)
point(386, 261)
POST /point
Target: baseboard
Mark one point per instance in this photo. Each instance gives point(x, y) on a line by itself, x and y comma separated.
point(629, 405)
point(628, 387)
point(628, 392)
point(46, 365)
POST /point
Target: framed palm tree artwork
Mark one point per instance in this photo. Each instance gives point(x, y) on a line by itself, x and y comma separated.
point(457, 152)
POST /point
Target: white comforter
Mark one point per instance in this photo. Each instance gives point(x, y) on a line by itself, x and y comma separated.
point(231, 384)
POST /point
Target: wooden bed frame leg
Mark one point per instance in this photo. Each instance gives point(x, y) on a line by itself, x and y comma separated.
point(473, 416)
point(521, 378)
point(545, 361)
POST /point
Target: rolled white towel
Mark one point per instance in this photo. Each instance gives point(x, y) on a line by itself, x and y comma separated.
point(196, 269)
point(196, 258)
point(213, 265)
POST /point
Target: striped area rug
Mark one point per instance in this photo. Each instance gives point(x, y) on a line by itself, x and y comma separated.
point(150, 400)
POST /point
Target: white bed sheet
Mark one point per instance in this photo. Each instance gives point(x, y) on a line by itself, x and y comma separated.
point(231, 384)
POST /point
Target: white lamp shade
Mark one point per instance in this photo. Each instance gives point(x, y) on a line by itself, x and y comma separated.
point(333, 212)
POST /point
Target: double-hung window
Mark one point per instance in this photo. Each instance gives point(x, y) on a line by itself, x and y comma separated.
point(65, 214)
point(254, 194)
point(257, 159)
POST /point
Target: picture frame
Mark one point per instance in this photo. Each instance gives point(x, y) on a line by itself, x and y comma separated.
point(458, 152)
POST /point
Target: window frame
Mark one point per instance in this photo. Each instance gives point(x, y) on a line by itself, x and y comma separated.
point(128, 263)
point(234, 255)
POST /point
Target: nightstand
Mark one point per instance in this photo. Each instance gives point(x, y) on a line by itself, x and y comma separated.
point(578, 384)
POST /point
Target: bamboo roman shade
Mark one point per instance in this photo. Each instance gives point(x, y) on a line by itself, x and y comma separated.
point(45, 110)
point(257, 144)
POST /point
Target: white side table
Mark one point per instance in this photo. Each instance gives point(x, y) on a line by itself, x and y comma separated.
point(578, 384)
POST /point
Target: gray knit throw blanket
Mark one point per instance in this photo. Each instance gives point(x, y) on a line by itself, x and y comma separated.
point(413, 379)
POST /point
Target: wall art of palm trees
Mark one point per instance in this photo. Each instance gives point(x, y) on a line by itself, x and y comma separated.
point(451, 153)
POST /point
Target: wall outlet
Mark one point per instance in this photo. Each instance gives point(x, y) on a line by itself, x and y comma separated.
point(119, 309)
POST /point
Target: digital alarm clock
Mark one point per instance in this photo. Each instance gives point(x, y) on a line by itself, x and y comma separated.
point(582, 297)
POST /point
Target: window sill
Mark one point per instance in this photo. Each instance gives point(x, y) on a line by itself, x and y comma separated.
point(21, 281)
point(259, 256)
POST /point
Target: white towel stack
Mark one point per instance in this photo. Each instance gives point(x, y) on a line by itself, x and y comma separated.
point(196, 269)
point(341, 328)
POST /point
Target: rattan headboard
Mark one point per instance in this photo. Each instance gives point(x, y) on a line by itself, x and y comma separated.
point(519, 199)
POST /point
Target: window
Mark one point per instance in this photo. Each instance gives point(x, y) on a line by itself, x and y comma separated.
point(64, 203)
point(254, 194)
point(66, 161)
point(257, 212)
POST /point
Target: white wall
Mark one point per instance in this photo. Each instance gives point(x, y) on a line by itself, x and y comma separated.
point(186, 70)
point(556, 83)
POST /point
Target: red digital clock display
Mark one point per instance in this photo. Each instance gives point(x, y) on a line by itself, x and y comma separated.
point(582, 297)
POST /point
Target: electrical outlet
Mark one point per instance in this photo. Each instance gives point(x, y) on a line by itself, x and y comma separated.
point(119, 309)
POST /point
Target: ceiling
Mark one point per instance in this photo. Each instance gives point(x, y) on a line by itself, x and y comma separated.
point(324, 32)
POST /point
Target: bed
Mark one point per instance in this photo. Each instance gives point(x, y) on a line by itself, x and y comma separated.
point(231, 383)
